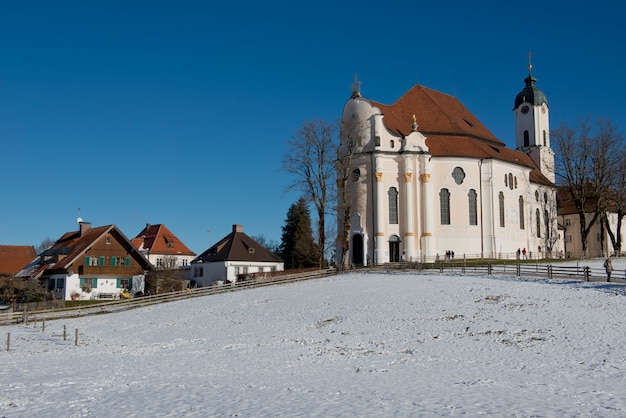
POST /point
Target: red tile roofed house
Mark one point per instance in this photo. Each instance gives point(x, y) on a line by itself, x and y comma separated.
point(90, 263)
point(13, 258)
point(162, 248)
point(235, 257)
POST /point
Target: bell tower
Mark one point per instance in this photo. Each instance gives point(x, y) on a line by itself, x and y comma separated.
point(532, 127)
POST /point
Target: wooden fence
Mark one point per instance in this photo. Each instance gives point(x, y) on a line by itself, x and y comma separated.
point(464, 267)
point(123, 305)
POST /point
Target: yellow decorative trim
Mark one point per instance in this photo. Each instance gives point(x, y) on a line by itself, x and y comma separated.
point(379, 177)
point(407, 177)
point(380, 234)
point(427, 234)
point(409, 234)
point(425, 178)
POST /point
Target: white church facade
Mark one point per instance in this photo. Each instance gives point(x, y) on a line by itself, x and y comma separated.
point(428, 178)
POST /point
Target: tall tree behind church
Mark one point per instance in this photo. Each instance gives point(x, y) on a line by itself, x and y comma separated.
point(310, 158)
point(589, 164)
point(297, 248)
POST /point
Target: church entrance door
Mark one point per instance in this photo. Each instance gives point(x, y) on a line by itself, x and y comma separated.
point(357, 249)
point(394, 249)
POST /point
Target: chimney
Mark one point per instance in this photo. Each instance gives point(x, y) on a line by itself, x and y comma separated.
point(237, 228)
point(84, 227)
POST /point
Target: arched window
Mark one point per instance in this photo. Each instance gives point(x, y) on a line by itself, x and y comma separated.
point(393, 205)
point(392, 144)
point(511, 181)
point(526, 139)
point(444, 206)
point(546, 220)
point(537, 195)
point(538, 221)
point(521, 212)
point(473, 218)
point(501, 199)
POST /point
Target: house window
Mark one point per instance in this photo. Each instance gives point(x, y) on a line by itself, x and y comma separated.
point(90, 282)
point(124, 283)
point(501, 199)
point(521, 212)
point(568, 222)
point(393, 205)
point(444, 206)
point(120, 261)
point(538, 221)
point(568, 238)
point(91, 260)
point(473, 218)
point(458, 174)
point(170, 244)
point(392, 143)
point(184, 262)
point(159, 262)
point(198, 271)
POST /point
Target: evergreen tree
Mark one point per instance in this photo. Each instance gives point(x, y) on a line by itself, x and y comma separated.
point(298, 248)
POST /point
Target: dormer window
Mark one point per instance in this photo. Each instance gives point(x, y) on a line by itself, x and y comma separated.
point(251, 250)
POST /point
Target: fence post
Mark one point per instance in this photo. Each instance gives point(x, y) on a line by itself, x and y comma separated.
point(64, 333)
point(8, 340)
point(549, 271)
point(518, 269)
point(587, 273)
point(441, 267)
point(489, 268)
point(76, 337)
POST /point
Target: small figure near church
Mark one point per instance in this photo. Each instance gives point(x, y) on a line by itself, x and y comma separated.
point(524, 253)
point(608, 267)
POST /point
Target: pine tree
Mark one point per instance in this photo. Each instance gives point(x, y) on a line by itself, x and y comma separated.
point(297, 248)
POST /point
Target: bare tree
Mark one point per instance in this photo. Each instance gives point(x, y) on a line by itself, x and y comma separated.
point(550, 234)
point(350, 139)
point(586, 159)
point(310, 158)
point(44, 245)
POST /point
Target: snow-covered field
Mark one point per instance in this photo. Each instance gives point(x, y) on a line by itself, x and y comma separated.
point(360, 344)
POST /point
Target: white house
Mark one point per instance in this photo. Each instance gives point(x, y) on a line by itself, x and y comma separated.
point(90, 263)
point(234, 258)
point(162, 248)
point(429, 178)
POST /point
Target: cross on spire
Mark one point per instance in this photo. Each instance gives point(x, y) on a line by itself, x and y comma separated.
point(356, 87)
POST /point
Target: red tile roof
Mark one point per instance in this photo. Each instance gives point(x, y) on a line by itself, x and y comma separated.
point(451, 130)
point(158, 239)
point(13, 258)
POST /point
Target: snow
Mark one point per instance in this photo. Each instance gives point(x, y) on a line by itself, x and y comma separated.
point(358, 344)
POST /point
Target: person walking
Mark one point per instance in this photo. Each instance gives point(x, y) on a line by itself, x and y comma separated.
point(608, 267)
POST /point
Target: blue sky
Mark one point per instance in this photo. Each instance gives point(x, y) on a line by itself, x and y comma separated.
point(178, 112)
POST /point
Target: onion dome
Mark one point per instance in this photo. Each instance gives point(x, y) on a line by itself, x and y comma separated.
point(530, 94)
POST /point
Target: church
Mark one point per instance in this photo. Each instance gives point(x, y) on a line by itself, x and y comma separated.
point(427, 179)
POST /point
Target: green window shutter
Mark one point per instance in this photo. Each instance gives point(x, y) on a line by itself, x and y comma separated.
point(128, 261)
point(119, 283)
point(101, 261)
point(130, 283)
point(112, 261)
point(95, 283)
point(86, 260)
point(82, 282)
